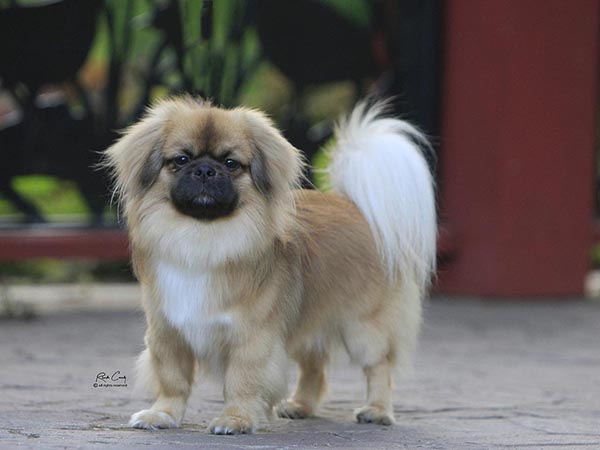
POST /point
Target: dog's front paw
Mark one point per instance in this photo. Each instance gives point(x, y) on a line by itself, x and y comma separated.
point(290, 409)
point(150, 419)
point(231, 425)
point(374, 414)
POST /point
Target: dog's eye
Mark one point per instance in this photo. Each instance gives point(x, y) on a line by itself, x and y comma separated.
point(232, 164)
point(180, 160)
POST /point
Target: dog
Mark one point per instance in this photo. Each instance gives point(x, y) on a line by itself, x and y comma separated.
point(240, 269)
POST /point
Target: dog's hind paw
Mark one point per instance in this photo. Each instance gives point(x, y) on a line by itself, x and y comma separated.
point(374, 414)
point(231, 425)
point(290, 409)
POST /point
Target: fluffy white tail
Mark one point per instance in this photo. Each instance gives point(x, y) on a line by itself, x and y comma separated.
point(378, 164)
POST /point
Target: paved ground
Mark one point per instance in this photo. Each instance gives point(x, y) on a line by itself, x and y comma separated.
point(488, 375)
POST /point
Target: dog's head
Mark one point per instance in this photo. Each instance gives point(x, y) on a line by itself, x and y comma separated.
point(190, 161)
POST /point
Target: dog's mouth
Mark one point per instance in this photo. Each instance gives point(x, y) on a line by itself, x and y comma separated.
point(205, 200)
point(205, 206)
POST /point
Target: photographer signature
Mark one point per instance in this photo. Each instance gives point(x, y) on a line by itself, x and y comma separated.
point(104, 379)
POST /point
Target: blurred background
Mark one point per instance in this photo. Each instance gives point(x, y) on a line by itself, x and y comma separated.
point(507, 90)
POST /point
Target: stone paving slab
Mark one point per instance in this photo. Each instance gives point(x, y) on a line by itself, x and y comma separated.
point(488, 375)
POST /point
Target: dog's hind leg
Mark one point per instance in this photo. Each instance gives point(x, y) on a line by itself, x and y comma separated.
point(379, 343)
point(310, 389)
point(378, 408)
point(369, 344)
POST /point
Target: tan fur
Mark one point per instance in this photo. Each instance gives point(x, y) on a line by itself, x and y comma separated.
point(290, 272)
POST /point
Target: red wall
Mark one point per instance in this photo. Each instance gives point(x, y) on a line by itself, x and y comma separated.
point(517, 168)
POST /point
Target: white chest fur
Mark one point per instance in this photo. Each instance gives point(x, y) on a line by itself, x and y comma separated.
point(192, 303)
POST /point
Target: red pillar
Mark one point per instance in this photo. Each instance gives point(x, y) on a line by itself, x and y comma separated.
point(517, 168)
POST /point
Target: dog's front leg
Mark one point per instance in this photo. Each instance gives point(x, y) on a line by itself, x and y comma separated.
point(168, 364)
point(254, 383)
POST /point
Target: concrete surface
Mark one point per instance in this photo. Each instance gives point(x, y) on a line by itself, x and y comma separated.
point(487, 375)
point(73, 297)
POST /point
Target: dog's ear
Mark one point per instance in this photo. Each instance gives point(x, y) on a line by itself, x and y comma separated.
point(260, 173)
point(276, 165)
point(128, 158)
point(151, 168)
point(135, 160)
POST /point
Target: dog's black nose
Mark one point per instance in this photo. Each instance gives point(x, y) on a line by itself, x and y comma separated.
point(204, 171)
